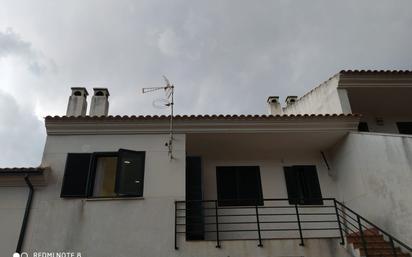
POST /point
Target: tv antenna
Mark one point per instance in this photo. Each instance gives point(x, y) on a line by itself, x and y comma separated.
point(166, 102)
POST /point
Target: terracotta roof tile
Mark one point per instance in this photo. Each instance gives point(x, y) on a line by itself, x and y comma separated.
point(21, 171)
point(194, 117)
point(375, 71)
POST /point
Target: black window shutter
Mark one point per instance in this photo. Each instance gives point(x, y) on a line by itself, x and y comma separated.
point(76, 175)
point(311, 186)
point(227, 186)
point(249, 185)
point(130, 173)
point(292, 185)
point(194, 194)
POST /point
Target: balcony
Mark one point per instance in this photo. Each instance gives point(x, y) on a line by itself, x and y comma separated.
point(274, 219)
point(210, 220)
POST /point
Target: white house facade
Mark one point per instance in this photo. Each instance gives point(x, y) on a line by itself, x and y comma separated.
point(329, 174)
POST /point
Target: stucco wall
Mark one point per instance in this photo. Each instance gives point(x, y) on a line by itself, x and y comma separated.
point(12, 206)
point(389, 123)
point(324, 99)
point(109, 227)
point(273, 186)
point(374, 177)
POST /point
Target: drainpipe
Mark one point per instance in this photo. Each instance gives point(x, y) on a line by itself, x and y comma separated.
point(26, 214)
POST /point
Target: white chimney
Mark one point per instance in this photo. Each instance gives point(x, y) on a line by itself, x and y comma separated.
point(291, 99)
point(77, 102)
point(100, 102)
point(274, 105)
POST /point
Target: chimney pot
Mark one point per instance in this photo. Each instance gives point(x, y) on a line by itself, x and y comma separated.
point(77, 105)
point(274, 105)
point(100, 102)
point(291, 99)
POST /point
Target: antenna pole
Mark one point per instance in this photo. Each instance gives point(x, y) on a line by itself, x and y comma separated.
point(170, 104)
point(171, 124)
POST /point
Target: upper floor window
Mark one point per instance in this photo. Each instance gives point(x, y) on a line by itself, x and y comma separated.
point(239, 186)
point(404, 127)
point(104, 174)
point(302, 184)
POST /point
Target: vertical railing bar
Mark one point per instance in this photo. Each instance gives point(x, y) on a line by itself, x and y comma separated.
point(362, 236)
point(395, 254)
point(258, 227)
point(342, 242)
point(299, 225)
point(176, 248)
point(217, 226)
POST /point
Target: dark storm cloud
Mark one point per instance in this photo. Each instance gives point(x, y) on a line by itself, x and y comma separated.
point(223, 56)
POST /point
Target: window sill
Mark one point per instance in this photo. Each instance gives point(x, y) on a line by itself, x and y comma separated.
point(112, 198)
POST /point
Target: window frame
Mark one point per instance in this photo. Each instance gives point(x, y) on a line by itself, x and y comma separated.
point(238, 202)
point(91, 179)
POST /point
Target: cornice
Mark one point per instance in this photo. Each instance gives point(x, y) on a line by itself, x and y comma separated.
point(130, 126)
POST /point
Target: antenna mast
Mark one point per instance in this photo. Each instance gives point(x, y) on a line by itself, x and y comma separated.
point(165, 103)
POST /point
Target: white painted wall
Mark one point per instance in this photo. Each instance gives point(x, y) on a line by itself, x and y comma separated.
point(374, 177)
point(324, 99)
point(389, 123)
point(107, 228)
point(144, 227)
point(12, 206)
point(273, 186)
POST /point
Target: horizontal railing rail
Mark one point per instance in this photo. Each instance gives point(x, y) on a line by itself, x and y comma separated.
point(275, 218)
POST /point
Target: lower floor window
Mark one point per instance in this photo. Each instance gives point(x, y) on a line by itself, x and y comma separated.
point(303, 185)
point(239, 186)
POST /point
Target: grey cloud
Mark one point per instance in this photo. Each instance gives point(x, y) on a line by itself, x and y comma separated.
point(21, 133)
point(11, 44)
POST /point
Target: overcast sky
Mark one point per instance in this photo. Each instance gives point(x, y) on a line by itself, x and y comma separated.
point(225, 57)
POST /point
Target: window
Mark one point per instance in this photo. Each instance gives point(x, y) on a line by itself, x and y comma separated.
point(302, 184)
point(404, 127)
point(108, 174)
point(105, 167)
point(363, 126)
point(239, 186)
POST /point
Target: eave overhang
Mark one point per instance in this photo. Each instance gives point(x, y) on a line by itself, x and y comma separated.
point(15, 176)
point(123, 125)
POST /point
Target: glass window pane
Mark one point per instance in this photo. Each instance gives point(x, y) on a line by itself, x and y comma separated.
point(105, 176)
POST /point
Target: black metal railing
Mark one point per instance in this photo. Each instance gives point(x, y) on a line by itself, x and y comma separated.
point(354, 228)
point(274, 219)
